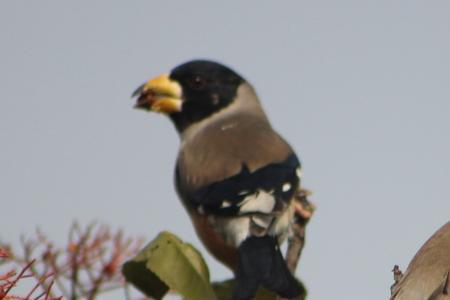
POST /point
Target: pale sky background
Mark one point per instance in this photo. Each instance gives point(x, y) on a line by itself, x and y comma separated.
point(361, 90)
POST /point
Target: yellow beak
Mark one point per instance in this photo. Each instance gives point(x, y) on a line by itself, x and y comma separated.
point(160, 94)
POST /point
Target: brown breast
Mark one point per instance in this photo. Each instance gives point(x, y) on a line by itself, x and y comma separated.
point(213, 241)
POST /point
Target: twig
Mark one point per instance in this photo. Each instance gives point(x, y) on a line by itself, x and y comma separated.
point(303, 213)
point(96, 286)
point(40, 283)
point(21, 275)
point(88, 266)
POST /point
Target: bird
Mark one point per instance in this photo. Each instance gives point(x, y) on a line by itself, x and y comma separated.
point(428, 274)
point(398, 274)
point(235, 175)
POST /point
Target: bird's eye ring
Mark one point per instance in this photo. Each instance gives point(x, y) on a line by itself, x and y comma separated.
point(197, 82)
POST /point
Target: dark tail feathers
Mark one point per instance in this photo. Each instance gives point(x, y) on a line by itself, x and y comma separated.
point(260, 263)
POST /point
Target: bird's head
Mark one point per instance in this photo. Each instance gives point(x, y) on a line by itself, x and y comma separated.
point(191, 92)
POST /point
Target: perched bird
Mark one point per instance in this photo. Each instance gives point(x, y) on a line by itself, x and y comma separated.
point(428, 274)
point(235, 175)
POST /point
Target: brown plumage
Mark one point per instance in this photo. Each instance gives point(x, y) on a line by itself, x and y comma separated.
point(216, 147)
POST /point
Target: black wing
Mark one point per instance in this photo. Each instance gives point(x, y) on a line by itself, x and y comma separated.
point(262, 191)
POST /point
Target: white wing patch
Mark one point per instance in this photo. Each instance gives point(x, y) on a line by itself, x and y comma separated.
point(261, 201)
point(244, 192)
point(286, 187)
point(236, 230)
point(225, 204)
point(298, 172)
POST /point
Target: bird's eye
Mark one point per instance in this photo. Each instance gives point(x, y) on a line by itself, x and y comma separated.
point(197, 82)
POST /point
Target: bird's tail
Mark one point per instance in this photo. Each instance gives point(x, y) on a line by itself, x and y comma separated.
point(260, 263)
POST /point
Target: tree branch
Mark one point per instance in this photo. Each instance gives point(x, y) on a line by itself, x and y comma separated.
point(303, 213)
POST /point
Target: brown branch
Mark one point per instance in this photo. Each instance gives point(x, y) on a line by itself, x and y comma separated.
point(303, 213)
point(89, 265)
point(41, 279)
point(95, 288)
point(76, 247)
point(20, 276)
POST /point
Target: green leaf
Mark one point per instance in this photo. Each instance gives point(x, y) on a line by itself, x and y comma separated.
point(224, 290)
point(144, 280)
point(168, 263)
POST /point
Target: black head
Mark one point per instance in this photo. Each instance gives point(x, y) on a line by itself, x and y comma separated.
point(192, 92)
point(207, 87)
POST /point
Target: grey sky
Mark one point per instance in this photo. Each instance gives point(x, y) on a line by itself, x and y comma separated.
point(360, 89)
